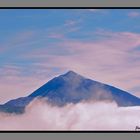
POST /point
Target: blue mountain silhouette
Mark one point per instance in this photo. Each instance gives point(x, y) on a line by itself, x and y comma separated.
point(72, 88)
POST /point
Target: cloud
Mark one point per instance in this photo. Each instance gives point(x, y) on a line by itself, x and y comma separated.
point(134, 14)
point(71, 22)
point(14, 84)
point(22, 37)
point(56, 36)
point(93, 10)
point(81, 116)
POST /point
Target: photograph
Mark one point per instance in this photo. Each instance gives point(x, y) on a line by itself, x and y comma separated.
point(70, 69)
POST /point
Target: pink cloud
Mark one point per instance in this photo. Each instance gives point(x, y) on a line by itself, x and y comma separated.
point(56, 36)
point(134, 14)
point(14, 84)
point(2, 49)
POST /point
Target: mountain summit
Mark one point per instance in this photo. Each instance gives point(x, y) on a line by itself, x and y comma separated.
point(70, 73)
point(72, 88)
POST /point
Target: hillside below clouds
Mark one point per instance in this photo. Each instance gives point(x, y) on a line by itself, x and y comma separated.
point(72, 88)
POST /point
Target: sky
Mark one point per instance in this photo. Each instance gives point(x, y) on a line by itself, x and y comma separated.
point(37, 45)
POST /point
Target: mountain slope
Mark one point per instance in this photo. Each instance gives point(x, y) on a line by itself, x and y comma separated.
point(72, 88)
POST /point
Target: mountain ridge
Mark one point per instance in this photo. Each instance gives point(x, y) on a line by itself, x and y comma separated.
point(72, 88)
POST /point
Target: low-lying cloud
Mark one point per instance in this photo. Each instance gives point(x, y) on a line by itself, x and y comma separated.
point(81, 116)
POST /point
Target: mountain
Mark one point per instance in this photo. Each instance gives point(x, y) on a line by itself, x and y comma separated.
point(72, 88)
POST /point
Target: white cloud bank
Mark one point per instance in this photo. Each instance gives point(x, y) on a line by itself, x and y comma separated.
point(82, 116)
